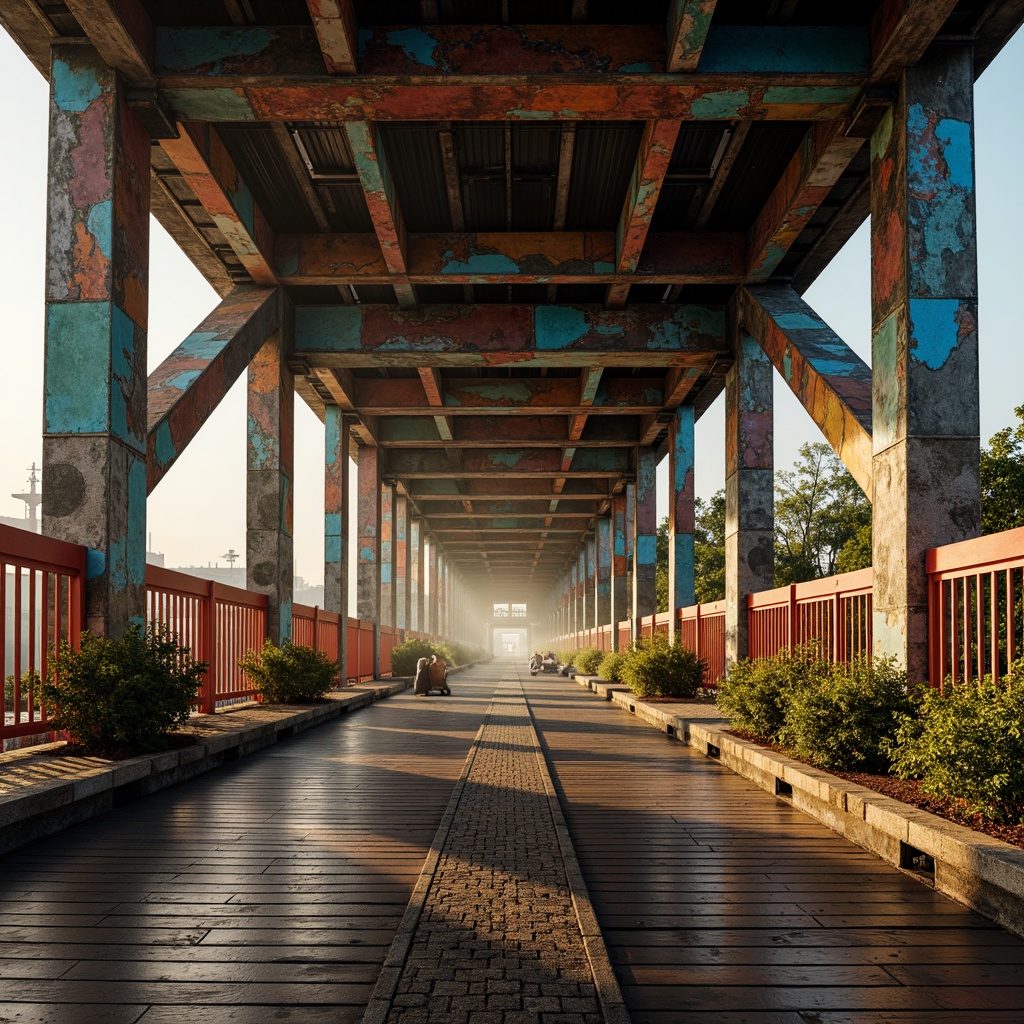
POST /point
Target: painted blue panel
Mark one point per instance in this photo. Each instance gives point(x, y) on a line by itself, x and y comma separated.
point(125, 364)
point(206, 49)
point(72, 91)
point(328, 328)
point(332, 549)
point(95, 564)
point(934, 330)
point(164, 445)
point(77, 367)
point(646, 549)
point(135, 561)
point(831, 49)
point(332, 524)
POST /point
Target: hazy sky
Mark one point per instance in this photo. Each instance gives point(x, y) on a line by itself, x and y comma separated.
point(198, 511)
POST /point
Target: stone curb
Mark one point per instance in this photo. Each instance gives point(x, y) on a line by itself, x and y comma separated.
point(972, 868)
point(43, 792)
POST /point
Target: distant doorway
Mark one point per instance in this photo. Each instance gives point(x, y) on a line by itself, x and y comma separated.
point(509, 642)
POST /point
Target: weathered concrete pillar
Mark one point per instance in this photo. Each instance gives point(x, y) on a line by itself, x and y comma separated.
point(432, 611)
point(590, 548)
point(603, 590)
point(417, 578)
point(681, 525)
point(574, 597)
point(387, 568)
point(270, 562)
point(368, 549)
point(924, 348)
point(401, 551)
point(749, 488)
point(336, 493)
point(620, 570)
point(583, 605)
point(97, 294)
point(645, 537)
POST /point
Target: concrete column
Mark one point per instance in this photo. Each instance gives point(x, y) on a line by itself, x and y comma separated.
point(603, 589)
point(270, 562)
point(387, 555)
point(583, 606)
point(418, 579)
point(403, 579)
point(924, 347)
point(749, 488)
point(431, 618)
point(573, 597)
point(645, 536)
point(336, 530)
point(620, 574)
point(97, 296)
point(442, 596)
point(368, 592)
point(681, 525)
point(591, 552)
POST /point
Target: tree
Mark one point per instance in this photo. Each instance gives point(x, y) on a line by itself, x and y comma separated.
point(709, 548)
point(661, 566)
point(819, 510)
point(1002, 478)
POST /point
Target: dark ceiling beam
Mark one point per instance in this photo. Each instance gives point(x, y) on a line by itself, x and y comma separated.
point(561, 257)
point(737, 134)
point(202, 160)
point(688, 24)
point(334, 22)
point(590, 380)
point(189, 384)
point(652, 160)
point(480, 462)
point(340, 386)
point(831, 381)
point(382, 203)
point(824, 154)
point(503, 335)
point(901, 31)
point(122, 33)
point(528, 431)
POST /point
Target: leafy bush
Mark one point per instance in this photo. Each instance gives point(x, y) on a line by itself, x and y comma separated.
point(124, 696)
point(586, 660)
point(967, 743)
point(289, 674)
point(611, 666)
point(405, 655)
point(757, 692)
point(848, 717)
point(656, 668)
point(29, 685)
point(565, 656)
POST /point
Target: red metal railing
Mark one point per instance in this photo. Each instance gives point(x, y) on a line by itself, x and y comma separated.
point(42, 583)
point(974, 601)
point(834, 614)
point(702, 630)
point(216, 622)
point(359, 660)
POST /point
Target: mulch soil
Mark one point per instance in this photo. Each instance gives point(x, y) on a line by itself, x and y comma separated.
point(907, 791)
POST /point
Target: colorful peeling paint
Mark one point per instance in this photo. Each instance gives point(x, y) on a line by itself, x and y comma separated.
point(368, 525)
point(336, 513)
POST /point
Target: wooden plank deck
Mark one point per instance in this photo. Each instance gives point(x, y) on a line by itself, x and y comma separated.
point(722, 904)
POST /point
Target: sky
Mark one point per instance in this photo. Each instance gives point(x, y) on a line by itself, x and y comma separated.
point(198, 512)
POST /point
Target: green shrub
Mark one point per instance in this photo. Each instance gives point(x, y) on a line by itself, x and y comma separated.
point(122, 697)
point(848, 717)
point(967, 743)
point(611, 666)
point(405, 655)
point(656, 668)
point(565, 656)
point(586, 660)
point(29, 685)
point(757, 692)
point(289, 674)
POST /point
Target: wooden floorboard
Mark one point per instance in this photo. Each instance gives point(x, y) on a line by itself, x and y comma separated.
point(721, 904)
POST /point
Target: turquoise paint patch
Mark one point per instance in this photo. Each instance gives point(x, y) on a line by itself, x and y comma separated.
point(77, 374)
point(800, 95)
point(95, 564)
point(100, 225)
point(798, 322)
point(328, 328)
point(787, 364)
point(123, 383)
point(507, 459)
point(741, 49)
point(366, 555)
point(287, 266)
point(332, 434)
point(636, 68)
point(332, 549)
point(209, 105)
point(836, 367)
point(479, 263)
point(416, 43)
point(332, 524)
point(163, 446)
point(262, 449)
point(956, 138)
point(201, 345)
point(646, 549)
point(934, 331)
point(74, 91)
point(385, 571)
point(135, 562)
point(558, 327)
point(183, 380)
point(716, 106)
point(187, 49)
point(519, 114)
point(886, 387)
point(600, 267)
point(245, 207)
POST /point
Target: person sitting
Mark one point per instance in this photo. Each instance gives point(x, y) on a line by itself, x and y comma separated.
point(439, 674)
point(422, 682)
point(535, 663)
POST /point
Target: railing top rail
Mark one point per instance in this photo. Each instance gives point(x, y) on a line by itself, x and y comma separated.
point(310, 611)
point(22, 547)
point(185, 583)
point(998, 550)
point(706, 608)
point(845, 584)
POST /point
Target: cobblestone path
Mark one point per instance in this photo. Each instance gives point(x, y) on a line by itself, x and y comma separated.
point(500, 929)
